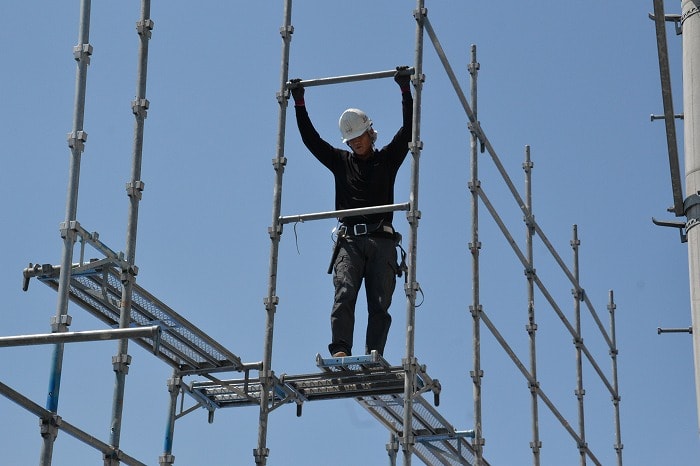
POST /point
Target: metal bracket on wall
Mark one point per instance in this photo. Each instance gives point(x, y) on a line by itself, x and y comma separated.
point(675, 19)
point(660, 330)
point(673, 224)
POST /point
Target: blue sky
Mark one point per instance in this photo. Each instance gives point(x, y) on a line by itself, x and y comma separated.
point(575, 80)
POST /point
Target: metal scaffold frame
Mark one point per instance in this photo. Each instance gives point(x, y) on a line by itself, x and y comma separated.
point(480, 141)
point(394, 395)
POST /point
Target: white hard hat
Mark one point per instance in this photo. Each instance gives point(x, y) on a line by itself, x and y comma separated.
point(353, 123)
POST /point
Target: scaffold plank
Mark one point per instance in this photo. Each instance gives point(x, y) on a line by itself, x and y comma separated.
point(182, 345)
point(374, 384)
point(361, 376)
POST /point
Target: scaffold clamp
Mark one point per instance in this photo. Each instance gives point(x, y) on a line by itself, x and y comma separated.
point(60, 323)
point(413, 216)
point(50, 426)
point(270, 302)
point(279, 163)
point(82, 52)
point(286, 31)
point(139, 107)
point(67, 228)
point(420, 13)
point(476, 310)
point(32, 271)
point(135, 189)
point(474, 127)
point(145, 27)
point(77, 140)
point(260, 454)
point(128, 273)
point(121, 362)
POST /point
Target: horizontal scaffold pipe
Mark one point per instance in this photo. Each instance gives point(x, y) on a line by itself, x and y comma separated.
point(347, 78)
point(65, 426)
point(75, 337)
point(442, 437)
point(92, 239)
point(344, 213)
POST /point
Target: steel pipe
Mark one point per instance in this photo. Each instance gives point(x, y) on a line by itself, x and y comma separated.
point(344, 213)
point(76, 337)
point(346, 79)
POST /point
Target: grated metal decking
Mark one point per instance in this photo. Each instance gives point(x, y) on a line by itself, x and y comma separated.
point(370, 380)
point(97, 288)
point(376, 386)
point(437, 442)
point(341, 378)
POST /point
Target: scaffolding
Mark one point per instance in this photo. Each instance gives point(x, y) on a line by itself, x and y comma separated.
point(393, 394)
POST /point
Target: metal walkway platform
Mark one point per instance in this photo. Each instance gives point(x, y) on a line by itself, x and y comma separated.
point(97, 288)
point(373, 383)
point(342, 378)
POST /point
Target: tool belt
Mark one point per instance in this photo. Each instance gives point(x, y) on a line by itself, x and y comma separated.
point(366, 229)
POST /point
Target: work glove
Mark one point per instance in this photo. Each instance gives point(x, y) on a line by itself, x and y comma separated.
point(402, 78)
point(297, 91)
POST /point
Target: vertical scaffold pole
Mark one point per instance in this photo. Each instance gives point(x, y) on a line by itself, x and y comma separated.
point(392, 448)
point(616, 398)
point(535, 444)
point(413, 216)
point(76, 141)
point(134, 190)
point(174, 387)
point(275, 231)
point(580, 392)
point(690, 20)
point(474, 248)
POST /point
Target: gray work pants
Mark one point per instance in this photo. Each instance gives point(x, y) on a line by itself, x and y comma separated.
point(372, 259)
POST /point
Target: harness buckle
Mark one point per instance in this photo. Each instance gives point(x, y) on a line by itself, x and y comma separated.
point(360, 229)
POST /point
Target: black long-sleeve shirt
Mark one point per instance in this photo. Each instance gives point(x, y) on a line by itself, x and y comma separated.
point(361, 183)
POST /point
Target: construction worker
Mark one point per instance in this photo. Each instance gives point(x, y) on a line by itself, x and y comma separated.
point(366, 244)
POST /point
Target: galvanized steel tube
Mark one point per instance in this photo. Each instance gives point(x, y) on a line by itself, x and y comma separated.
point(344, 213)
point(407, 440)
point(475, 248)
point(271, 300)
point(347, 78)
point(75, 337)
point(616, 398)
point(76, 142)
point(578, 340)
point(531, 327)
point(134, 190)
